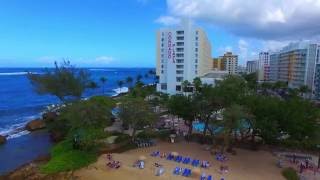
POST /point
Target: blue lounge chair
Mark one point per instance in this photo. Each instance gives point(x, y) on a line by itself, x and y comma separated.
point(185, 172)
point(209, 177)
point(203, 176)
point(176, 171)
point(189, 172)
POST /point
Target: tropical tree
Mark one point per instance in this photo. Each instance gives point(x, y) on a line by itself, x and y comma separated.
point(103, 80)
point(139, 77)
point(183, 106)
point(136, 113)
point(197, 84)
point(232, 117)
point(120, 84)
point(65, 81)
point(185, 86)
point(303, 90)
point(129, 80)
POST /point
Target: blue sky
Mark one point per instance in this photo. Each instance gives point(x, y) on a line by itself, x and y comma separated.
point(107, 33)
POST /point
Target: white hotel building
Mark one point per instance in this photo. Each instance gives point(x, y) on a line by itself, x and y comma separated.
point(183, 53)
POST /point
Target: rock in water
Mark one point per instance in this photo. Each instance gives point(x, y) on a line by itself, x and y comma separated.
point(49, 116)
point(2, 139)
point(35, 125)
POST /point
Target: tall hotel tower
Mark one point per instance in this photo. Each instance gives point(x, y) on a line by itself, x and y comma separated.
point(183, 53)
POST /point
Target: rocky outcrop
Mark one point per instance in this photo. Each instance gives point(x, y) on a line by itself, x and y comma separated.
point(49, 116)
point(3, 139)
point(56, 136)
point(35, 125)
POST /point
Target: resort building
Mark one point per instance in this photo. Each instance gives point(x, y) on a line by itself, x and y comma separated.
point(212, 77)
point(298, 65)
point(216, 63)
point(183, 53)
point(263, 66)
point(228, 62)
point(251, 66)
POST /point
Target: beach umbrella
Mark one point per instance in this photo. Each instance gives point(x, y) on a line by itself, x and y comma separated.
point(175, 154)
point(173, 135)
point(142, 158)
point(196, 172)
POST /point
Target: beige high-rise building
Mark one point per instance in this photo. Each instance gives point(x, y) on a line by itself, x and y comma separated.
point(183, 53)
point(227, 62)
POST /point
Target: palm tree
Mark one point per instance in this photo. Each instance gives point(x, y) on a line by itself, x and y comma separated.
point(103, 80)
point(232, 117)
point(139, 77)
point(129, 80)
point(120, 84)
point(304, 89)
point(185, 85)
point(197, 84)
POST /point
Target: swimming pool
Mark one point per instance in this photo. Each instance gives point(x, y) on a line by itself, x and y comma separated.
point(199, 126)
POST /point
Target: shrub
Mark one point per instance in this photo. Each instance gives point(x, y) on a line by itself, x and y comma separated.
point(65, 158)
point(147, 134)
point(87, 137)
point(290, 174)
point(122, 138)
point(163, 134)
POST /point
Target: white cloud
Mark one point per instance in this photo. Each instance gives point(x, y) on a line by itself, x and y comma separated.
point(262, 19)
point(168, 20)
point(104, 60)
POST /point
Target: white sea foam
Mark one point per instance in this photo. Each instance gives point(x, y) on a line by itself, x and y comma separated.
point(18, 134)
point(102, 69)
point(16, 73)
point(17, 130)
point(120, 90)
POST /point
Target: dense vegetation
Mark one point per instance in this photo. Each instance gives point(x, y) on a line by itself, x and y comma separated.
point(268, 113)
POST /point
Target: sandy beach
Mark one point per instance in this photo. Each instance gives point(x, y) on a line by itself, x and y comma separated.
point(246, 165)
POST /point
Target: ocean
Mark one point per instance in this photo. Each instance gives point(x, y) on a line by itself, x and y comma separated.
point(19, 103)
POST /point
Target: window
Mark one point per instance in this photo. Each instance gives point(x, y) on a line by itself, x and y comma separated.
point(161, 44)
point(196, 54)
point(179, 66)
point(162, 55)
point(196, 66)
point(180, 38)
point(180, 61)
point(197, 38)
point(196, 43)
point(180, 32)
point(180, 55)
point(162, 39)
point(197, 32)
point(180, 49)
point(164, 86)
point(162, 50)
point(196, 72)
point(180, 43)
point(178, 88)
point(161, 66)
point(161, 71)
point(179, 79)
point(179, 72)
point(196, 49)
point(196, 61)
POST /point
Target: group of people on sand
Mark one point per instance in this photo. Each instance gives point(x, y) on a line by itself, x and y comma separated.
point(112, 163)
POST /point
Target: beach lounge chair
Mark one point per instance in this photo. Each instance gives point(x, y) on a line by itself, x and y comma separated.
point(185, 172)
point(159, 171)
point(203, 176)
point(179, 159)
point(209, 177)
point(176, 171)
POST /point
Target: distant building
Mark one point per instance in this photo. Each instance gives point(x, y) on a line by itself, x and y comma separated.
point(183, 53)
point(228, 62)
point(241, 70)
point(298, 64)
point(251, 66)
point(212, 77)
point(263, 66)
point(216, 63)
